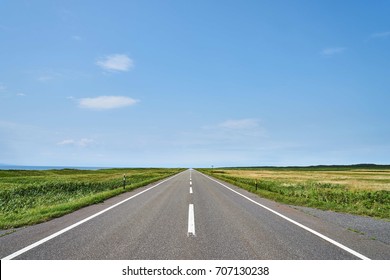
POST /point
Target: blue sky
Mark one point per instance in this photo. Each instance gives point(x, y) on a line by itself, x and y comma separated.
point(194, 83)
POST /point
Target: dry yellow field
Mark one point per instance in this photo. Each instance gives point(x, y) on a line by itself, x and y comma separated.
point(363, 179)
point(350, 189)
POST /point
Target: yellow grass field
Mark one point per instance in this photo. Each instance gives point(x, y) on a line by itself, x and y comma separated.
point(351, 189)
point(362, 179)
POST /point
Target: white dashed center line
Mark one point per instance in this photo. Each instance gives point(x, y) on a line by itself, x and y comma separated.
point(191, 221)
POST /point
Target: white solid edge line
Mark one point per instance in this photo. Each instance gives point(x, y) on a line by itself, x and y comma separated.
point(190, 189)
point(191, 220)
point(345, 248)
point(25, 249)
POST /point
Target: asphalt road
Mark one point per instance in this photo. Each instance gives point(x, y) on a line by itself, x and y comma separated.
point(190, 216)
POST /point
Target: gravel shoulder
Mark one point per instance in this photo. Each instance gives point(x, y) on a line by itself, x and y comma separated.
point(372, 228)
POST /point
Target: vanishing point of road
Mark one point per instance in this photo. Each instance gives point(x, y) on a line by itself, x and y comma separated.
point(189, 216)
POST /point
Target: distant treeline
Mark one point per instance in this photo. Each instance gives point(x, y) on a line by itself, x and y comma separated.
point(315, 167)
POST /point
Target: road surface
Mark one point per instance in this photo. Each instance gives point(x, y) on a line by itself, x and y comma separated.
point(190, 216)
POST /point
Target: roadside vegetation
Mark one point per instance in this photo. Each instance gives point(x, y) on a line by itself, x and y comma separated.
point(32, 196)
point(360, 189)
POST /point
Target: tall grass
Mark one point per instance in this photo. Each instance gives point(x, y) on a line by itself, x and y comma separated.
point(327, 196)
point(29, 197)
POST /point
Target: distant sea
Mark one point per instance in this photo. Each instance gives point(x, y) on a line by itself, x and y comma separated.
point(28, 167)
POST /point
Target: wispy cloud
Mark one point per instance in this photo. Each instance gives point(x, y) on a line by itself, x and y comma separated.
point(45, 78)
point(332, 51)
point(230, 138)
point(50, 75)
point(385, 34)
point(83, 142)
point(4, 89)
point(106, 102)
point(235, 128)
point(240, 124)
point(116, 62)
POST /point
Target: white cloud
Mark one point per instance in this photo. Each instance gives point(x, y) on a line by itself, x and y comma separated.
point(45, 78)
point(79, 143)
point(3, 88)
point(240, 124)
point(66, 142)
point(381, 34)
point(116, 62)
point(84, 142)
point(106, 102)
point(51, 75)
point(332, 51)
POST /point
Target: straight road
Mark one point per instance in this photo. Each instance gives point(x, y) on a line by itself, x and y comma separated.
point(190, 216)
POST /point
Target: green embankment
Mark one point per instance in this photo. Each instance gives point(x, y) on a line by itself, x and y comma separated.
point(31, 196)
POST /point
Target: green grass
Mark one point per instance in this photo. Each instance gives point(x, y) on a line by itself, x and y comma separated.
point(30, 196)
point(315, 187)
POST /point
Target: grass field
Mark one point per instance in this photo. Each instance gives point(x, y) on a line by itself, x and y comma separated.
point(362, 190)
point(32, 196)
